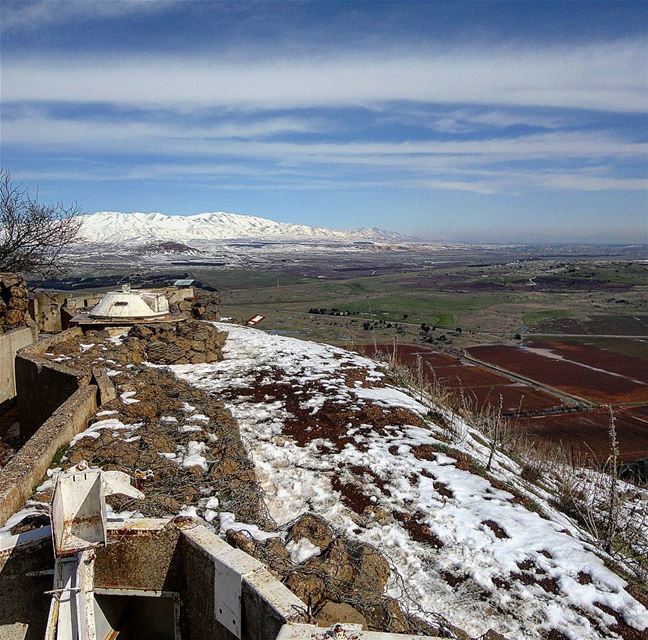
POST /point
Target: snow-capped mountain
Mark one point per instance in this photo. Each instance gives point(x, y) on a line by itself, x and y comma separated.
point(128, 228)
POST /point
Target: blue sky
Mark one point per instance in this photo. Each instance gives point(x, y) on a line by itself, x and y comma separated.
point(494, 121)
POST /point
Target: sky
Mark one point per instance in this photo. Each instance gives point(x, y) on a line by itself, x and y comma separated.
point(518, 121)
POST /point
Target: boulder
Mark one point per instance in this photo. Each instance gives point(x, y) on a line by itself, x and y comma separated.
point(185, 342)
point(242, 541)
point(308, 587)
point(8, 280)
point(336, 564)
point(313, 528)
point(337, 612)
point(386, 615)
point(160, 352)
point(19, 291)
point(372, 569)
point(18, 303)
point(14, 317)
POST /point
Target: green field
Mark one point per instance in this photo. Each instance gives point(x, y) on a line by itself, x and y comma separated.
point(446, 298)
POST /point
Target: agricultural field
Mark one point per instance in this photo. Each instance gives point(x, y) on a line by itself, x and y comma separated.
point(586, 373)
point(492, 303)
point(557, 340)
point(476, 385)
point(559, 331)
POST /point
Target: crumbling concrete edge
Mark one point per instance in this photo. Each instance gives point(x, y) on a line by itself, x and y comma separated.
point(24, 472)
point(107, 391)
point(342, 632)
point(265, 604)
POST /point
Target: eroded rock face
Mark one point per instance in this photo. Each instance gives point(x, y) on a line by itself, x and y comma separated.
point(188, 342)
point(313, 528)
point(13, 302)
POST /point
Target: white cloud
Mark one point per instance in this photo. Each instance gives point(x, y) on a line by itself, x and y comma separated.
point(241, 140)
point(608, 76)
point(35, 14)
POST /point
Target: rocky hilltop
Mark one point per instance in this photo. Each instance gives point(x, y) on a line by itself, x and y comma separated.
point(369, 501)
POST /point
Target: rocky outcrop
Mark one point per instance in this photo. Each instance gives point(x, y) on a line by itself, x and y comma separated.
point(344, 582)
point(189, 342)
point(13, 302)
point(203, 306)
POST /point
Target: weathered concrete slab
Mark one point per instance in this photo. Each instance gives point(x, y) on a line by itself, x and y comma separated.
point(10, 343)
point(24, 472)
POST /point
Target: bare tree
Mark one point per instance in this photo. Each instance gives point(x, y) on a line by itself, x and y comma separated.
point(32, 235)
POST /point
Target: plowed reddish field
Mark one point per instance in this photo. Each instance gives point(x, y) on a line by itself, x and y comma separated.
point(478, 384)
point(582, 370)
point(587, 432)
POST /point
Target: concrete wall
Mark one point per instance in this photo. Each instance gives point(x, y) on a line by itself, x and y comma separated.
point(23, 603)
point(48, 307)
point(25, 471)
point(224, 594)
point(228, 594)
point(42, 386)
point(10, 343)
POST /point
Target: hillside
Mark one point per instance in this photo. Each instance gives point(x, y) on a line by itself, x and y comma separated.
point(138, 228)
point(282, 427)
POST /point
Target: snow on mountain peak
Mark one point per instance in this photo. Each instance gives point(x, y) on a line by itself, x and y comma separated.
point(136, 227)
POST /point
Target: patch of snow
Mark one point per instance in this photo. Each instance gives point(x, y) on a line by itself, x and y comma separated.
point(192, 455)
point(212, 503)
point(31, 508)
point(228, 523)
point(302, 550)
point(189, 511)
point(186, 428)
point(127, 397)
point(93, 431)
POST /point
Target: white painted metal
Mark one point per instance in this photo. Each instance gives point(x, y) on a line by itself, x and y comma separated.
point(79, 523)
point(227, 597)
point(119, 482)
point(79, 506)
point(78, 511)
point(131, 304)
point(72, 610)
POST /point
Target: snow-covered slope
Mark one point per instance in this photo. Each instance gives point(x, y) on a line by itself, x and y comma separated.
point(114, 227)
point(328, 436)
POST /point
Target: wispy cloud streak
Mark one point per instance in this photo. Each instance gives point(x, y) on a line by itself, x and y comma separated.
point(596, 76)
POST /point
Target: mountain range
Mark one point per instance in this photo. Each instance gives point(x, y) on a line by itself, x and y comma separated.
point(137, 228)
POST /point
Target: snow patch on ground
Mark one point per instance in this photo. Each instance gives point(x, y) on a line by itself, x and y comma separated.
point(113, 424)
point(301, 550)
